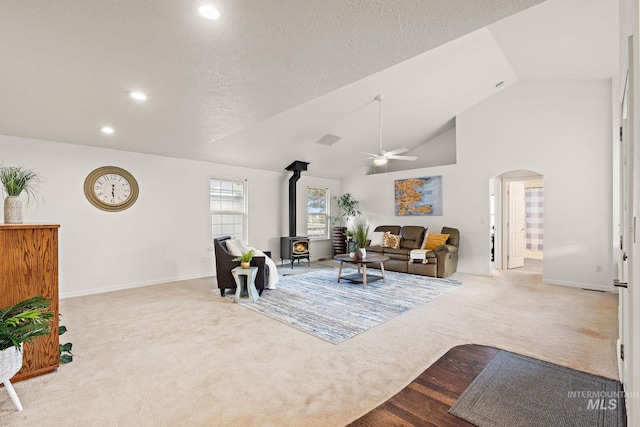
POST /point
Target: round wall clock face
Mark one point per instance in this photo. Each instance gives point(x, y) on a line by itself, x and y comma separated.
point(111, 188)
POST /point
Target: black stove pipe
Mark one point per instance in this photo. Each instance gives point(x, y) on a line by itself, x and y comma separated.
point(295, 167)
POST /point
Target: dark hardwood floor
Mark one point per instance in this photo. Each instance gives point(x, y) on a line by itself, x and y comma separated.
point(427, 399)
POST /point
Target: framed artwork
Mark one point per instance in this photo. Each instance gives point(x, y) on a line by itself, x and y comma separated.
point(419, 196)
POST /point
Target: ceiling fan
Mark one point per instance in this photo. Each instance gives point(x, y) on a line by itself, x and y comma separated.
point(384, 156)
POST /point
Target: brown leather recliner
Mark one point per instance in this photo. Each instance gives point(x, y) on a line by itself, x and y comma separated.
point(224, 265)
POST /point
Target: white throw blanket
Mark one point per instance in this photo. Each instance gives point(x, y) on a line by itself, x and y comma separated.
point(273, 270)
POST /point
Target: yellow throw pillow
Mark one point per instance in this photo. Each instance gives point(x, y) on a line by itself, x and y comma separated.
point(390, 240)
point(434, 240)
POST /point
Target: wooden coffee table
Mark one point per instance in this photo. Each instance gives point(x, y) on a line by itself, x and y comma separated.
point(361, 276)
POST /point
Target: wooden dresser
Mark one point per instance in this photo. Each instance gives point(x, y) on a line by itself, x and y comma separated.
point(29, 267)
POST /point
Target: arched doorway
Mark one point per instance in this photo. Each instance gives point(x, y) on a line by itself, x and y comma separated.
point(517, 221)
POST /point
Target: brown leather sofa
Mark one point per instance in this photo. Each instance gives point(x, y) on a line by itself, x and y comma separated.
point(441, 262)
point(224, 265)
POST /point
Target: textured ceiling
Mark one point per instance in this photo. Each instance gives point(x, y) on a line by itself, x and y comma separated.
point(272, 75)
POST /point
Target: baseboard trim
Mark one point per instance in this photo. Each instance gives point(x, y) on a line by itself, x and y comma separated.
point(121, 287)
point(591, 287)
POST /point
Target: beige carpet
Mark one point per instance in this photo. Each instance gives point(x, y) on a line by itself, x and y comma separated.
point(179, 355)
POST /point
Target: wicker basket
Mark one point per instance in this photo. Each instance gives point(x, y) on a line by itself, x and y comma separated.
point(10, 362)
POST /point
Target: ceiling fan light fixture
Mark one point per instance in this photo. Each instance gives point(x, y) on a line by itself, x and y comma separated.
point(379, 161)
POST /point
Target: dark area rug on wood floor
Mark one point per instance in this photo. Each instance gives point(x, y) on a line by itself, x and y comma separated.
point(518, 391)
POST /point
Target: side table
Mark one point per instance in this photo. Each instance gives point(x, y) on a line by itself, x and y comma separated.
point(245, 284)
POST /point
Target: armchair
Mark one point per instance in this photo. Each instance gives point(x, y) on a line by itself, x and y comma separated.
point(224, 265)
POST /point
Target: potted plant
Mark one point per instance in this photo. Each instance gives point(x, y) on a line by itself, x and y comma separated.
point(20, 324)
point(361, 236)
point(245, 259)
point(16, 180)
point(347, 207)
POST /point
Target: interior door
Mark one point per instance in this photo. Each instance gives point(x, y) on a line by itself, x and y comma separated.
point(516, 225)
point(621, 267)
point(627, 349)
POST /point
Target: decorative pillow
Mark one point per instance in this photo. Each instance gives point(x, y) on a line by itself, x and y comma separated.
point(376, 238)
point(433, 240)
point(234, 246)
point(390, 240)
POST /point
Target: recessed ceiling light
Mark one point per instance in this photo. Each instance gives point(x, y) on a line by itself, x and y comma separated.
point(138, 95)
point(107, 129)
point(209, 12)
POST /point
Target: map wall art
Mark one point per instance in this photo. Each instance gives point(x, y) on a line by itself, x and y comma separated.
point(419, 196)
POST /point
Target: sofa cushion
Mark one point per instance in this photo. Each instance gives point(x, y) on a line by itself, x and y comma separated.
point(376, 249)
point(390, 240)
point(412, 236)
point(393, 229)
point(433, 240)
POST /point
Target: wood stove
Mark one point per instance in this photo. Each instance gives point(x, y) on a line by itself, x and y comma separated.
point(294, 247)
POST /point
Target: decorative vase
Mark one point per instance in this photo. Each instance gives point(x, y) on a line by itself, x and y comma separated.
point(13, 210)
point(363, 251)
point(338, 240)
point(245, 264)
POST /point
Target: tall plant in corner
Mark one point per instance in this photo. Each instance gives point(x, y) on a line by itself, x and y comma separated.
point(15, 181)
point(347, 207)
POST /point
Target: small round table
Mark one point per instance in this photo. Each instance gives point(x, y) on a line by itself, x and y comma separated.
point(361, 277)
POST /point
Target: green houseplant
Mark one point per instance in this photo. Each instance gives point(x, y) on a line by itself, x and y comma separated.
point(245, 259)
point(20, 324)
point(347, 207)
point(15, 181)
point(361, 235)
point(24, 321)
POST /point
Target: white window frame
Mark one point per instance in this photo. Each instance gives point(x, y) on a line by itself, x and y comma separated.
point(325, 213)
point(224, 218)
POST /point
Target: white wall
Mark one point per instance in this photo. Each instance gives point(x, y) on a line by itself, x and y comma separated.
point(561, 130)
point(164, 236)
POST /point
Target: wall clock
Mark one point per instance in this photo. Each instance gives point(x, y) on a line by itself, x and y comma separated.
point(111, 189)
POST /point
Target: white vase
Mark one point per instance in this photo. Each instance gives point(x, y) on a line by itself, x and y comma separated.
point(13, 210)
point(364, 252)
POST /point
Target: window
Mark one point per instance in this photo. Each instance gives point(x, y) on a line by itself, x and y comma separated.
point(227, 201)
point(317, 213)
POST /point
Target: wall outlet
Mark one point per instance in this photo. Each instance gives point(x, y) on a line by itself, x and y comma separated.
point(203, 259)
point(598, 269)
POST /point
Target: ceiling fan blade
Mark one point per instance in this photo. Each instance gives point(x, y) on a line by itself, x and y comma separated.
point(396, 151)
point(410, 158)
point(369, 154)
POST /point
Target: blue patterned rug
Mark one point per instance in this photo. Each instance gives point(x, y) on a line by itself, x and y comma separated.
point(316, 303)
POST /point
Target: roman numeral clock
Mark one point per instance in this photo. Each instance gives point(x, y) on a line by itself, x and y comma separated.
point(111, 189)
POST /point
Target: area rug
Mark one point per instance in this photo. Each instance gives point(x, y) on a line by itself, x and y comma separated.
point(316, 303)
point(518, 391)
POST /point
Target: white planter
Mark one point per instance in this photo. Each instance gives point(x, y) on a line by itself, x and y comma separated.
point(13, 210)
point(10, 364)
point(363, 251)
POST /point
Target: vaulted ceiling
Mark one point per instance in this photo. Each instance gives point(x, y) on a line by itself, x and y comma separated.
point(261, 85)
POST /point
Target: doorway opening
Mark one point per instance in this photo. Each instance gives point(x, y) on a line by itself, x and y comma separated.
point(517, 221)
